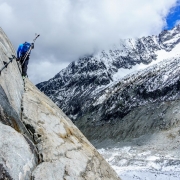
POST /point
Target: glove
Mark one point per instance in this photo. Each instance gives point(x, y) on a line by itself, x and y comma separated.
point(32, 45)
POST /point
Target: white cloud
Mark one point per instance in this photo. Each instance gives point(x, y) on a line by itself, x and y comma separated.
point(177, 22)
point(70, 28)
point(44, 69)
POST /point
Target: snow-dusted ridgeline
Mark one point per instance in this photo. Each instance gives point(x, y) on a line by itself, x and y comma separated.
point(74, 88)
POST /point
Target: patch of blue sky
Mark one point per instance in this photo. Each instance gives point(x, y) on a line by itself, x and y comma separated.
point(173, 18)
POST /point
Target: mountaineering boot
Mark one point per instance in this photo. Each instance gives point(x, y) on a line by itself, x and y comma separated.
point(23, 77)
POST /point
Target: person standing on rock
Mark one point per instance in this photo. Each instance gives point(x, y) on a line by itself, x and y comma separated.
point(23, 53)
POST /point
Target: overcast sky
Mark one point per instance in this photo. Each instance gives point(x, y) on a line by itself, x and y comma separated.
point(72, 28)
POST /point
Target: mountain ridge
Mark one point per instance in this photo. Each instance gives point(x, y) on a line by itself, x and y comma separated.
point(82, 79)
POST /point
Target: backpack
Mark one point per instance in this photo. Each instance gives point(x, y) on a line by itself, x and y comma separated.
point(25, 47)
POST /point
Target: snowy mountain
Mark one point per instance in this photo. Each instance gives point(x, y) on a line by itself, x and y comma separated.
point(127, 103)
point(76, 88)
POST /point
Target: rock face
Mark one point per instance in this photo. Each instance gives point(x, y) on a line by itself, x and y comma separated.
point(63, 150)
point(37, 140)
point(17, 152)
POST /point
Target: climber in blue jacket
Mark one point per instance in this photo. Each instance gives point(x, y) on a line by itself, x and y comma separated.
point(23, 53)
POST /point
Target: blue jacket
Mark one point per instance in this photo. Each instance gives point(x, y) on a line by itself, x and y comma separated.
point(22, 49)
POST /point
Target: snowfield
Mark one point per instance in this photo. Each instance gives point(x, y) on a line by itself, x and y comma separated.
point(142, 166)
point(149, 157)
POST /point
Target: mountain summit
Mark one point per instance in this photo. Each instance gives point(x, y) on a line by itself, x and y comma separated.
point(76, 88)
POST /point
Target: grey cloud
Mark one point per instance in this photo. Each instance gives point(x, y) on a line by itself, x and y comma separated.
point(70, 29)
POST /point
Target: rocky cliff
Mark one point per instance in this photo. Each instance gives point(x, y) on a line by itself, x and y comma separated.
point(37, 140)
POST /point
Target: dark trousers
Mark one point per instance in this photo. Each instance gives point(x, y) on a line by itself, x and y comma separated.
point(24, 65)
